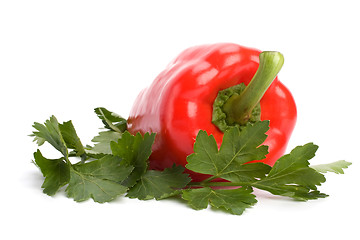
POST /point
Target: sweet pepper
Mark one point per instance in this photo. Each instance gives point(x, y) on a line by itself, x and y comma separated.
point(213, 87)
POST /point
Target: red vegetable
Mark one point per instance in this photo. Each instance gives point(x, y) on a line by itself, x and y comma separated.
point(180, 101)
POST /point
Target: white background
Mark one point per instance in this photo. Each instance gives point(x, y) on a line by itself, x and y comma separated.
point(68, 57)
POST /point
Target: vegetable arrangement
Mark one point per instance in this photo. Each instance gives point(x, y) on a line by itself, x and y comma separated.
point(212, 126)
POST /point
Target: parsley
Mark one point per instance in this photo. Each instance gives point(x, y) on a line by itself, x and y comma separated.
point(234, 201)
point(55, 171)
point(159, 185)
point(117, 165)
point(291, 175)
point(134, 151)
point(236, 149)
point(99, 180)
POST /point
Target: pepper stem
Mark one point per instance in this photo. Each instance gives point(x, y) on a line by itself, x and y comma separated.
point(238, 108)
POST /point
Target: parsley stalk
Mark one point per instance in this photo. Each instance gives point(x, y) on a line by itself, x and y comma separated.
point(220, 184)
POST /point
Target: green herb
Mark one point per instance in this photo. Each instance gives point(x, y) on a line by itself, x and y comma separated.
point(291, 175)
point(236, 149)
point(336, 167)
point(99, 180)
point(111, 120)
point(234, 201)
point(55, 171)
point(134, 151)
point(102, 142)
point(159, 185)
point(118, 165)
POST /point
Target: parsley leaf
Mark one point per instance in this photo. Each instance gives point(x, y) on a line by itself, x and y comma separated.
point(98, 179)
point(135, 151)
point(336, 167)
point(50, 132)
point(159, 184)
point(234, 201)
point(111, 120)
point(115, 124)
point(108, 167)
point(61, 136)
point(82, 187)
point(71, 138)
point(55, 171)
point(103, 142)
point(291, 175)
point(238, 147)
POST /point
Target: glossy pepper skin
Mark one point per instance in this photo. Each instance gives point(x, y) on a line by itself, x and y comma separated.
point(180, 100)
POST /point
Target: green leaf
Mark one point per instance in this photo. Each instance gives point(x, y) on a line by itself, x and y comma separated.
point(71, 138)
point(291, 175)
point(111, 120)
point(135, 151)
point(234, 201)
point(98, 180)
point(108, 167)
point(159, 184)
point(82, 187)
point(103, 141)
point(39, 140)
point(55, 171)
point(336, 167)
point(237, 149)
point(50, 132)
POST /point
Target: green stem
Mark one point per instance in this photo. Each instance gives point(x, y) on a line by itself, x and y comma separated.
point(209, 179)
point(219, 184)
point(239, 107)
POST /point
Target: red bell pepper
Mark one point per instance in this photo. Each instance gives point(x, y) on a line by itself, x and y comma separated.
point(180, 101)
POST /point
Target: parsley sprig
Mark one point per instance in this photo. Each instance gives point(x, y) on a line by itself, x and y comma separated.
point(117, 164)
